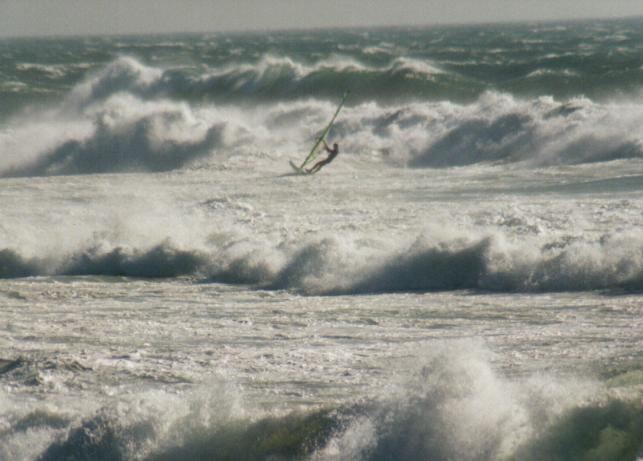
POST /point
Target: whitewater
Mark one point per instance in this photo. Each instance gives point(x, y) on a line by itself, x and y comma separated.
point(463, 282)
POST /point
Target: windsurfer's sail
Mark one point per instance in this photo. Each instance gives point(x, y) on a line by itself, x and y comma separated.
point(316, 147)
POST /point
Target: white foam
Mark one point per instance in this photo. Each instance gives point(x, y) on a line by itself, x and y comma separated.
point(123, 106)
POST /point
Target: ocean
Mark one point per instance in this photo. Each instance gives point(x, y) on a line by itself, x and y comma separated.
point(463, 282)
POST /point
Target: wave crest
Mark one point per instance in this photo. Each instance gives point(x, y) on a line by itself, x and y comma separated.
point(127, 118)
point(331, 266)
point(451, 403)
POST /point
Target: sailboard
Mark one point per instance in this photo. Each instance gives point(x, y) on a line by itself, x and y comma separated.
point(320, 139)
point(297, 169)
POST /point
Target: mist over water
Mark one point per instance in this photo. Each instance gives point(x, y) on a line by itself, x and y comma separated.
point(462, 282)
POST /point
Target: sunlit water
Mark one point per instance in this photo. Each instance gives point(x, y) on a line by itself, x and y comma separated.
point(463, 282)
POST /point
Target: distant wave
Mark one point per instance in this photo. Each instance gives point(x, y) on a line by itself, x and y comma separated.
point(122, 134)
point(143, 143)
point(537, 132)
point(122, 119)
point(319, 267)
point(52, 71)
point(552, 72)
point(597, 59)
point(275, 78)
point(117, 121)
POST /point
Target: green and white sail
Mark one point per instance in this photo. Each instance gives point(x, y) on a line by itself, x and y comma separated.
point(322, 136)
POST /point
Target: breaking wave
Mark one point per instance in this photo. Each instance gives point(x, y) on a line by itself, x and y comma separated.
point(277, 78)
point(540, 133)
point(454, 405)
point(330, 266)
point(120, 120)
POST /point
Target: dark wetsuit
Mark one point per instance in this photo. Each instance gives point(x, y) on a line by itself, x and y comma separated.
point(332, 153)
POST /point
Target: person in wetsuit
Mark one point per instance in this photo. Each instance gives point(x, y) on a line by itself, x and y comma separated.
point(332, 153)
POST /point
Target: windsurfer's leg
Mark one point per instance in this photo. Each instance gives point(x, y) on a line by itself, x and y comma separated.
point(317, 166)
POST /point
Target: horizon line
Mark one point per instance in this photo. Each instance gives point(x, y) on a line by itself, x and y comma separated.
point(279, 29)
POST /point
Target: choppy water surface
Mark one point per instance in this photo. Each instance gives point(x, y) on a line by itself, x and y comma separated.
point(463, 282)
